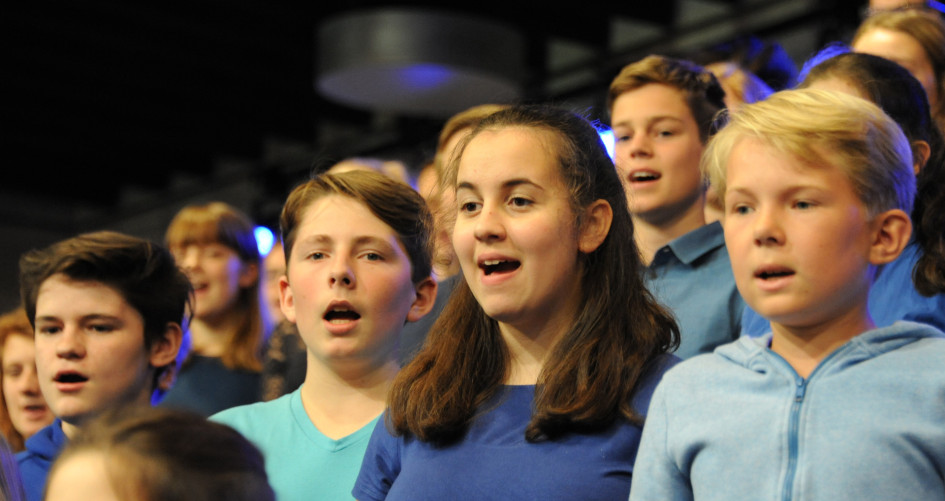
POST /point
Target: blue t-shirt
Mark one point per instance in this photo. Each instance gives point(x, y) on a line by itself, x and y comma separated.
point(692, 276)
point(892, 297)
point(301, 462)
point(41, 450)
point(494, 461)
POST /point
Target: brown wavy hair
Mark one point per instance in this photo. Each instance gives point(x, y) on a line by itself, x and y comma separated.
point(592, 372)
point(221, 223)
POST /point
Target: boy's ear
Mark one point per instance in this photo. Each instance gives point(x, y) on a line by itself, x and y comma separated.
point(890, 235)
point(286, 299)
point(164, 350)
point(249, 273)
point(595, 226)
point(426, 296)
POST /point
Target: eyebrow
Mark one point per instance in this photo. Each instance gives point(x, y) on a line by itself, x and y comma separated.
point(649, 121)
point(746, 189)
point(358, 241)
point(511, 183)
point(84, 318)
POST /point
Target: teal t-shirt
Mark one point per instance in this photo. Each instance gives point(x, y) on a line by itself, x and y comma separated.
point(301, 462)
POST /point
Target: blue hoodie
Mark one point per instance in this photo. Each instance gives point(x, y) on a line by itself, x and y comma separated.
point(867, 424)
point(35, 462)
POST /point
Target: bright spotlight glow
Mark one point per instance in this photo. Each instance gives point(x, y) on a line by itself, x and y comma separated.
point(607, 136)
point(264, 240)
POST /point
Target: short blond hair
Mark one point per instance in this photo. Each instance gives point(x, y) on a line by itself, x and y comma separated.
point(822, 127)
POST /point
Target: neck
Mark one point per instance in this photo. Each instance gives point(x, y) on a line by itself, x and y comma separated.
point(141, 397)
point(70, 430)
point(653, 233)
point(341, 400)
point(529, 348)
point(804, 348)
point(211, 336)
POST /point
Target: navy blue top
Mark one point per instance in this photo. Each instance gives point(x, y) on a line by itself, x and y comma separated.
point(494, 461)
point(206, 386)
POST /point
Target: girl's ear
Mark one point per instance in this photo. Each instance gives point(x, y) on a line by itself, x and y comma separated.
point(249, 274)
point(426, 296)
point(595, 225)
point(921, 151)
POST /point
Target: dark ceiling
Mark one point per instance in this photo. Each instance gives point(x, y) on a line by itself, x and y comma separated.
point(103, 95)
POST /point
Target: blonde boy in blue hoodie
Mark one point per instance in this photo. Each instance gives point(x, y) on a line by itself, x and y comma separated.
point(817, 187)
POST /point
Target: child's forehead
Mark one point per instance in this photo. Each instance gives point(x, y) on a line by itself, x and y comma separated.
point(342, 216)
point(812, 160)
point(81, 295)
point(653, 97)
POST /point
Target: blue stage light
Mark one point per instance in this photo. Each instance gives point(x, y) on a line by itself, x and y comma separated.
point(607, 136)
point(264, 240)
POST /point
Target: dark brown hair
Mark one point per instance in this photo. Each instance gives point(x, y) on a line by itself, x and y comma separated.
point(143, 272)
point(593, 370)
point(157, 454)
point(394, 203)
point(701, 89)
point(221, 223)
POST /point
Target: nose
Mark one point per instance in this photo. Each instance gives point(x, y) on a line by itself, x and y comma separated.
point(767, 229)
point(489, 225)
point(640, 146)
point(189, 258)
point(341, 274)
point(71, 343)
point(30, 382)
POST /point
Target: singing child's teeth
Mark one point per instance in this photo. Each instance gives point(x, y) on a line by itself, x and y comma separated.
point(491, 266)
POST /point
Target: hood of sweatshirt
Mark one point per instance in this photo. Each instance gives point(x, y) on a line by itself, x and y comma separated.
point(750, 352)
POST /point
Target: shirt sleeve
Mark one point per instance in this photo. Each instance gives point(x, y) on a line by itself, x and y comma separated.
point(381, 464)
point(655, 474)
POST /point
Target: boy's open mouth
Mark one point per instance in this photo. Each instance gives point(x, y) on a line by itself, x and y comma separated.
point(773, 273)
point(498, 266)
point(341, 315)
point(70, 377)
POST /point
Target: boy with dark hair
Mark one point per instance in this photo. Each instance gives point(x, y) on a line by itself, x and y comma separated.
point(106, 309)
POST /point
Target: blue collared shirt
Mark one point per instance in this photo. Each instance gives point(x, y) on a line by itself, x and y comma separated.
point(692, 276)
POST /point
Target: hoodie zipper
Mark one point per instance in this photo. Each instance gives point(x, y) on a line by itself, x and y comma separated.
point(800, 389)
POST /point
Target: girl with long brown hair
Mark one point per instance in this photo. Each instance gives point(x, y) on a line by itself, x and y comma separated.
point(534, 381)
